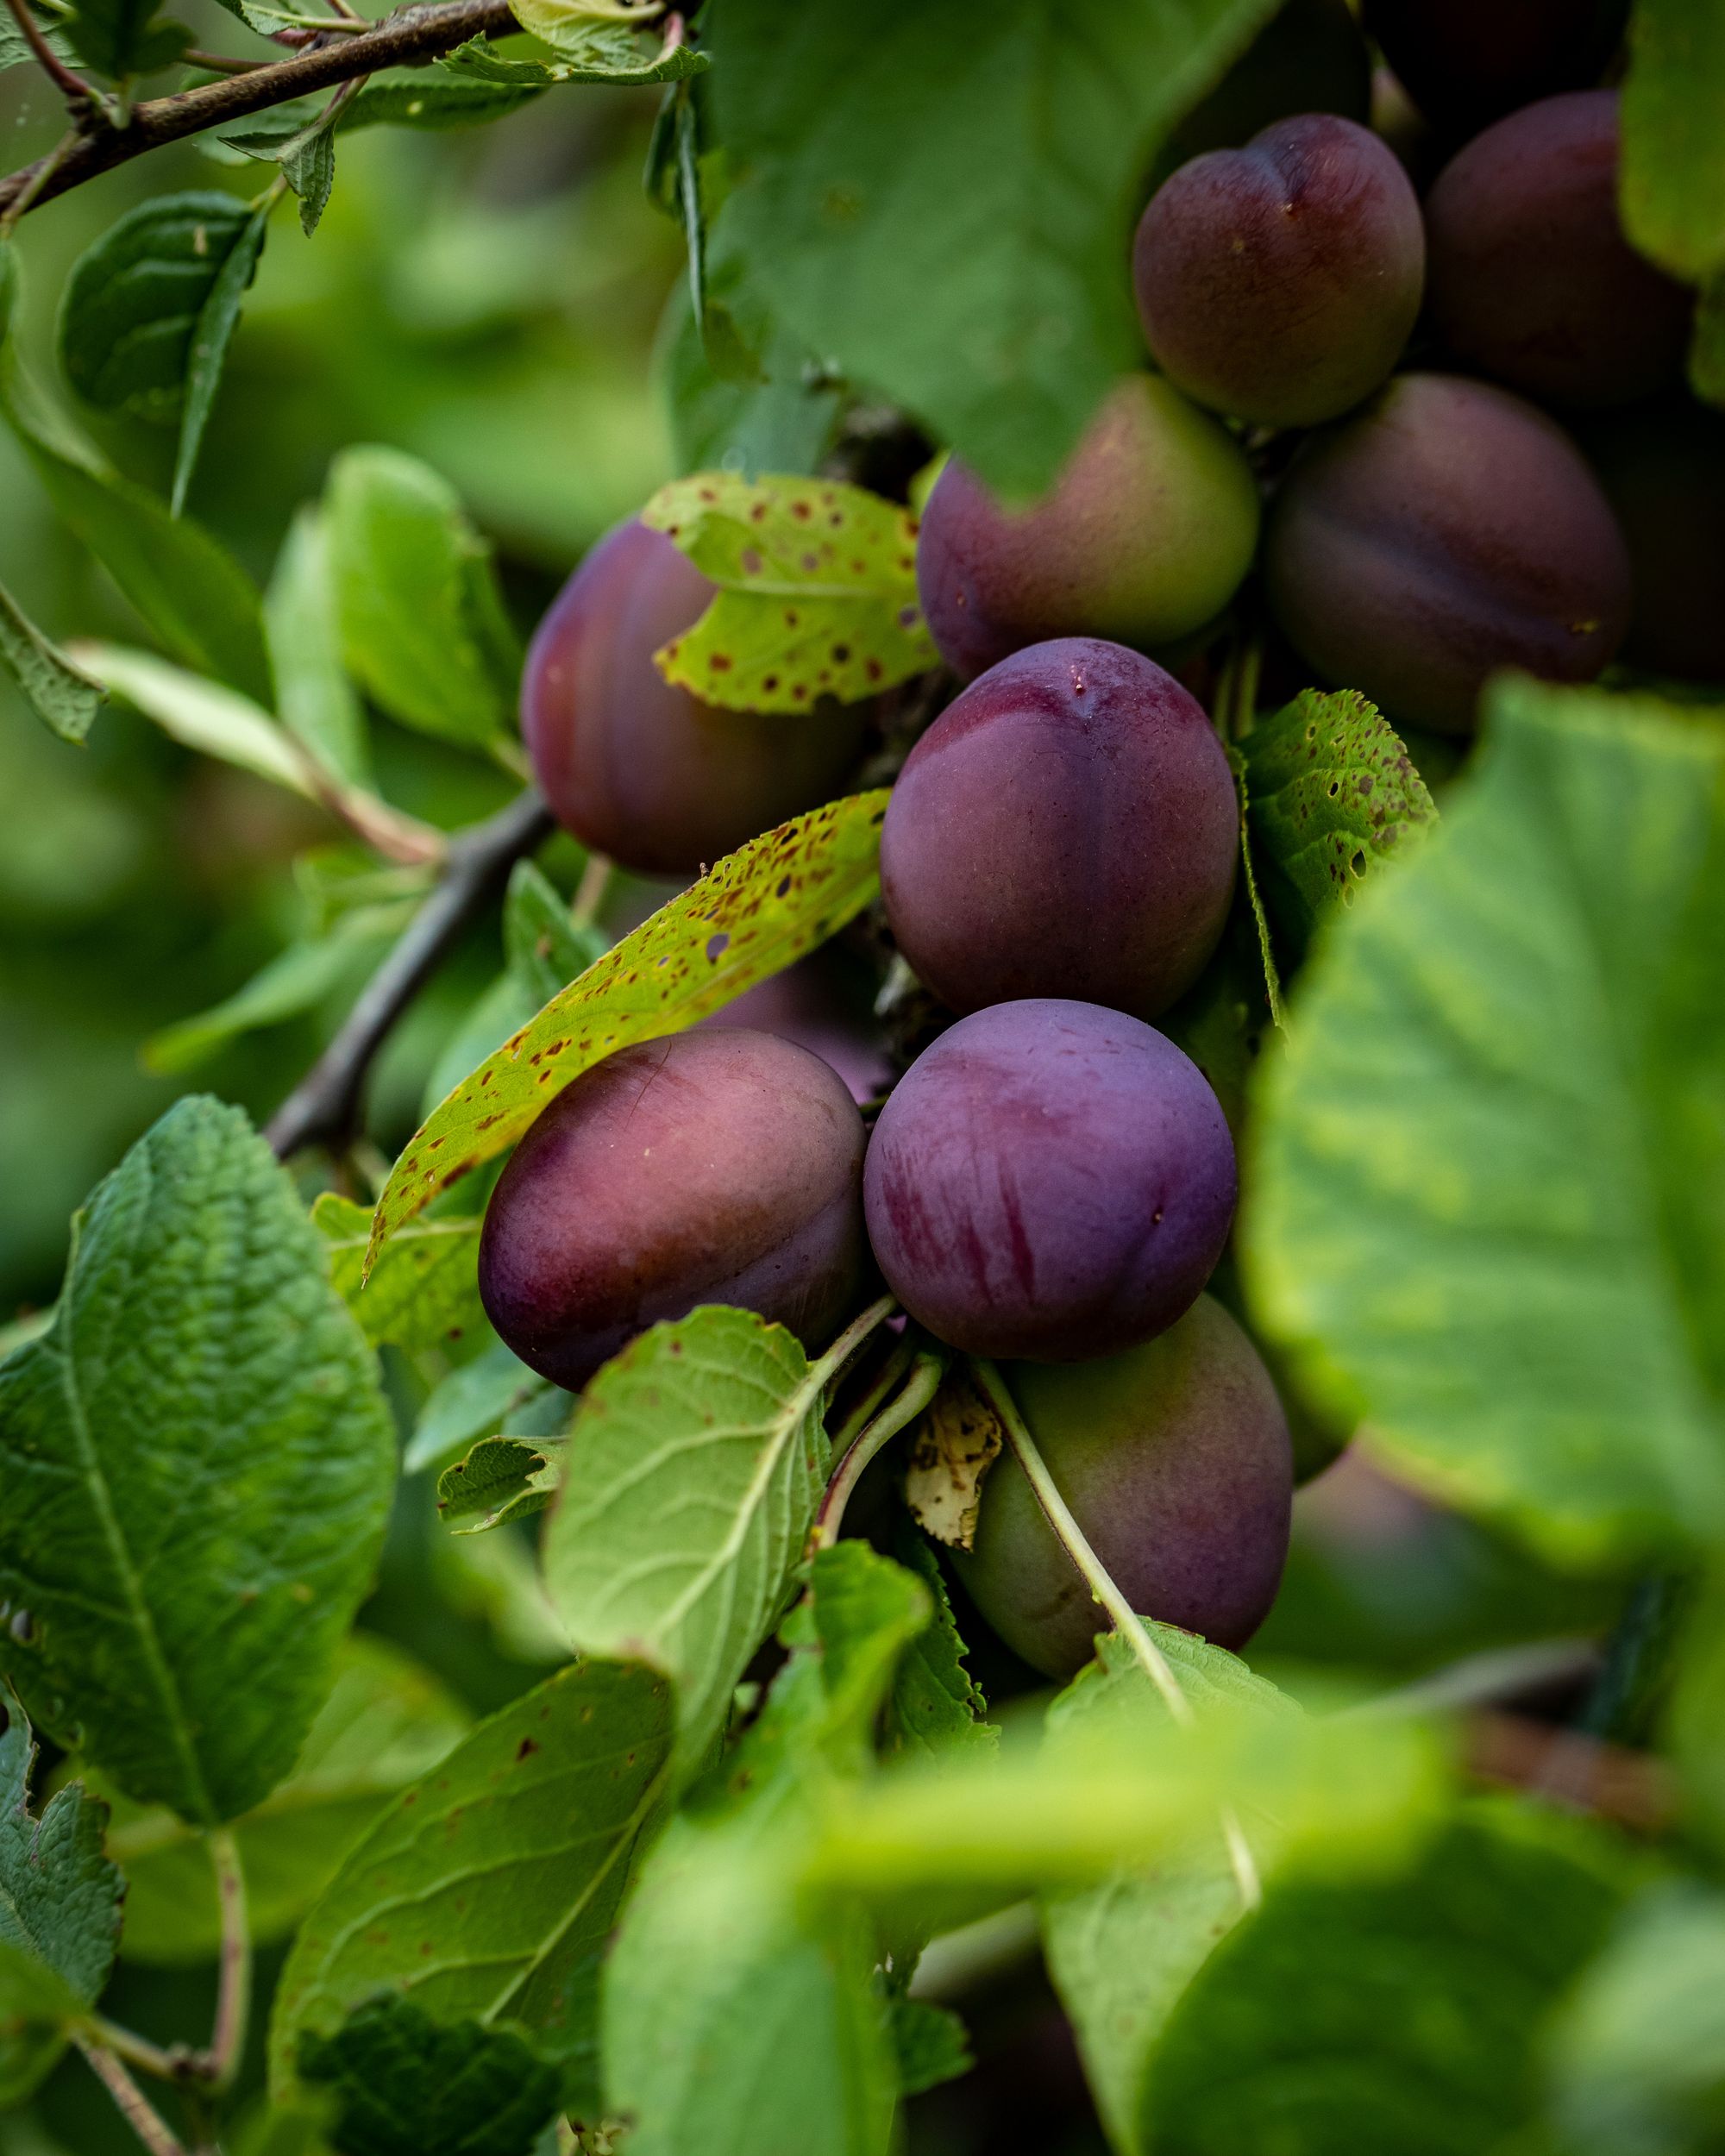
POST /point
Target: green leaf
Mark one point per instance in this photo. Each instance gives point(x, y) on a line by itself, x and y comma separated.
point(149, 310)
point(386, 1723)
point(817, 591)
point(937, 1707)
point(59, 1911)
point(1490, 1164)
point(930, 2045)
point(425, 1291)
point(941, 198)
point(1121, 1954)
point(500, 1479)
point(406, 2085)
point(750, 916)
point(546, 949)
point(694, 1463)
point(487, 1891)
point(295, 981)
point(1333, 793)
point(214, 331)
point(422, 623)
point(195, 1462)
point(1672, 178)
point(201, 714)
point(314, 696)
point(62, 696)
point(15, 52)
point(590, 52)
point(192, 592)
point(123, 38)
point(1399, 2017)
point(1637, 2055)
point(778, 415)
point(1697, 1715)
point(304, 148)
point(476, 1400)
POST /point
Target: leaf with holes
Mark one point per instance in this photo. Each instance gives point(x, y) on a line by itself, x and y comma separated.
point(487, 1891)
point(750, 916)
point(196, 1464)
point(817, 591)
point(501, 1479)
point(423, 1293)
point(1333, 793)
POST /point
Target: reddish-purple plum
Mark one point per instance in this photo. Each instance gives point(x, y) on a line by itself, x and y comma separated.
point(1175, 1462)
point(1144, 536)
point(1447, 530)
point(1532, 280)
point(1279, 282)
point(719, 1165)
point(1663, 469)
point(644, 772)
point(1465, 62)
point(1049, 1181)
point(1068, 826)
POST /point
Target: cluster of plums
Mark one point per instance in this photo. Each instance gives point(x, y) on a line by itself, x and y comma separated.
point(1052, 1181)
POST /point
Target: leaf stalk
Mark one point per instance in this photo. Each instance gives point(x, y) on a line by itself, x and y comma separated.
point(919, 1389)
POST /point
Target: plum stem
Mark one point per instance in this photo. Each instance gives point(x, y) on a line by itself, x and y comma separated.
point(885, 1381)
point(832, 1362)
point(919, 1389)
point(1126, 1620)
point(139, 2114)
point(234, 1995)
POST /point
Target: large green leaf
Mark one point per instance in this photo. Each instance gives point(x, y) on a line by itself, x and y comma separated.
point(1398, 2016)
point(941, 198)
point(694, 1467)
point(386, 1723)
point(195, 596)
point(195, 1466)
point(59, 1910)
point(1673, 170)
point(748, 916)
point(486, 1891)
point(62, 696)
point(1490, 1167)
point(422, 621)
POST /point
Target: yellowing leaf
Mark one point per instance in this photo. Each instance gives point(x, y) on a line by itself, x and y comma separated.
point(951, 1449)
point(748, 916)
point(817, 591)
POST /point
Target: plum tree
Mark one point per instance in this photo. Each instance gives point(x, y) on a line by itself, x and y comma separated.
point(1465, 62)
point(1310, 56)
point(1532, 280)
point(719, 1165)
point(1445, 530)
point(1050, 1179)
point(1144, 536)
point(1663, 469)
point(1279, 282)
point(1068, 826)
point(642, 771)
point(1174, 1460)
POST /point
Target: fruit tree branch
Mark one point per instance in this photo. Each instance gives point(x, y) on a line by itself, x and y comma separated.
point(413, 34)
point(324, 1105)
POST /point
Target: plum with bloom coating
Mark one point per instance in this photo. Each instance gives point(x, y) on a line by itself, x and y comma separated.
point(1174, 1460)
point(644, 772)
point(1068, 826)
point(1049, 1181)
point(719, 1165)
point(1145, 536)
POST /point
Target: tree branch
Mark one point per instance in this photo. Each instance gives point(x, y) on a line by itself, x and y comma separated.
point(324, 1106)
point(414, 33)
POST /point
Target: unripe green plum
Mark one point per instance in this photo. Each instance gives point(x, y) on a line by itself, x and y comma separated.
point(1174, 1460)
point(1278, 282)
point(1532, 280)
point(719, 1165)
point(1466, 62)
point(1144, 536)
point(640, 770)
point(1447, 530)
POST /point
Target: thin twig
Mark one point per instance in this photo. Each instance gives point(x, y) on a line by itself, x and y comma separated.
point(919, 1389)
point(234, 1994)
point(1126, 1620)
point(324, 1108)
point(139, 2112)
point(77, 92)
point(415, 34)
point(590, 891)
point(137, 2051)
